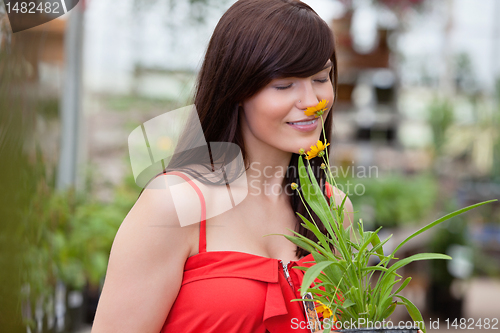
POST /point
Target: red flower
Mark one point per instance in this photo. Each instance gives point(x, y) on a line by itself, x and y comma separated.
point(328, 190)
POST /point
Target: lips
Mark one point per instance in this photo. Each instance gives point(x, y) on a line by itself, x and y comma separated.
point(304, 125)
point(302, 121)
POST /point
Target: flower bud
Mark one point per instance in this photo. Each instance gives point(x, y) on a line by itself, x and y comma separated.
point(328, 190)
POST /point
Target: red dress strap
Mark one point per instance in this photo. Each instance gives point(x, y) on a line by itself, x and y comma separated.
point(202, 247)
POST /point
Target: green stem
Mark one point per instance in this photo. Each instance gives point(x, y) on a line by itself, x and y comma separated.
point(307, 209)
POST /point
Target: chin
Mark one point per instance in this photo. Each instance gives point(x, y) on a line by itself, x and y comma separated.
point(293, 143)
point(306, 144)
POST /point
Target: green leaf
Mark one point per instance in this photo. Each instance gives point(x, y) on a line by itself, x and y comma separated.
point(300, 243)
point(442, 219)
point(314, 228)
point(416, 257)
point(379, 248)
point(367, 240)
point(386, 314)
point(303, 239)
point(377, 245)
point(374, 268)
point(334, 272)
point(384, 288)
point(403, 285)
point(313, 272)
point(413, 312)
point(347, 303)
point(319, 291)
point(315, 199)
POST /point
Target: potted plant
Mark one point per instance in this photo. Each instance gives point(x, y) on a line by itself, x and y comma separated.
point(347, 290)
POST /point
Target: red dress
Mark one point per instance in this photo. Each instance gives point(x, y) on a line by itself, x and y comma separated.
point(236, 292)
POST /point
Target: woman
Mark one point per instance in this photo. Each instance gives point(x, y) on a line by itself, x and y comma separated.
point(266, 63)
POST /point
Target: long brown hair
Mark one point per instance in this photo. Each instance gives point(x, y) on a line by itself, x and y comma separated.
point(255, 42)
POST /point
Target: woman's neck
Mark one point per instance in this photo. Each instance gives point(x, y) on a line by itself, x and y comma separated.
point(267, 168)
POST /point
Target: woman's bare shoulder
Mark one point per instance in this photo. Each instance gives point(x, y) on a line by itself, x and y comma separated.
point(157, 202)
point(186, 196)
point(146, 264)
point(154, 218)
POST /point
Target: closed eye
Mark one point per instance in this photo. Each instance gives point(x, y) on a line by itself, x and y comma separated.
point(322, 80)
point(283, 87)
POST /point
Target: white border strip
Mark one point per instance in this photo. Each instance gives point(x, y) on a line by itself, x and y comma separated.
point(64, 6)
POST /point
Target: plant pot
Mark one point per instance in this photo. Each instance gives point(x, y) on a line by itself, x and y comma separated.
point(380, 330)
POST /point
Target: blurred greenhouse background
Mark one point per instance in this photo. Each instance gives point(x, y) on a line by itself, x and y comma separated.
point(416, 135)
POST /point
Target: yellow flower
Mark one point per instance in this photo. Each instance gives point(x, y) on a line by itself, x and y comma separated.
point(315, 150)
point(325, 311)
point(294, 186)
point(317, 110)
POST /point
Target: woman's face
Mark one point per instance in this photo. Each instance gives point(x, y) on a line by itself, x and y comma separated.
point(275, 115)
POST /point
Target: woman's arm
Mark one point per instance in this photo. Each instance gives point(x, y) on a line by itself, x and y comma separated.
point(348, 208)
point(145, 266)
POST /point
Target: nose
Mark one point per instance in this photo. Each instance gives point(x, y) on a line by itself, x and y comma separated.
point(307, 96)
